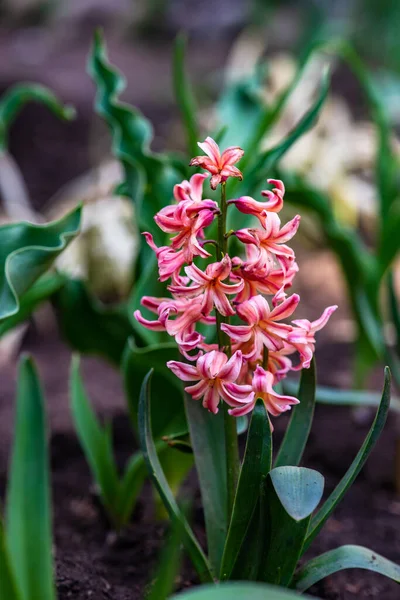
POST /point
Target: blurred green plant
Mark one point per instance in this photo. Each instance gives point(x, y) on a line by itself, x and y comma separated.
point(26, 561)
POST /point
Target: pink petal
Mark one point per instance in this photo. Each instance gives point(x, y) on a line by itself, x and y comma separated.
point(210, 147)
point(235, 394)
point(211, 399)
point(184, 371)
point(231, 371)
point(286, 308)
point(231, 155)
point(152, 325)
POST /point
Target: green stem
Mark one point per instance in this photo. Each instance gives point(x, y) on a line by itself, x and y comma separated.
point(231, 442)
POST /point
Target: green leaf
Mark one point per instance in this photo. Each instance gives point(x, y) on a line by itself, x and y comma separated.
point(345, 557)
point(8, 585)
point(17, 96)
point(376, 428)
point(158, 478)
point(336, 397)
point(207, 435)
point(293, 493)
point(27, 251)
point(394, 312)
point(43, 289)
point(28, 507)
point(168, 567)
point(130, 486)
point(184, 96)
point(131, 132)
point(95, 442)
point(269, 158)
point(299, 427)
point(89, 326)
point(148, 177)
point(167, 410)
point(256, 465)
point(298, 489)
point(238, 591)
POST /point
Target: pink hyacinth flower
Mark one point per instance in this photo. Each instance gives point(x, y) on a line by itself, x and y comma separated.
point(272, 240)
point(210, 285)
point(261, 210)
point(302, 336)
point(216, 376)
point(275, 403)
point(219, 165)
point(263, 328)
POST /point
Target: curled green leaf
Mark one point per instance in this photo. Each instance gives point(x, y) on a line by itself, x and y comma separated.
point(15, 99)
point(27, 251)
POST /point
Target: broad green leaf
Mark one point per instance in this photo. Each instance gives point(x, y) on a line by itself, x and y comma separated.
point(293, 493)
point(376, 428)
point(26, 252)
point(167, 410)
point(95, 442)
point(207, 435)
point(298, 489)
point(238, 591)
point(345, 557)
point(88, 325)
point(17, 96)
point(256, 465)
point(8, 585)
point(299, 427)
point(157, 476)
point(43, 289)
point(28, 505)
point(389, 243)
point(184, 96)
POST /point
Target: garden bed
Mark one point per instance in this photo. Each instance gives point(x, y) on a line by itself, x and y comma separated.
point(91, 563)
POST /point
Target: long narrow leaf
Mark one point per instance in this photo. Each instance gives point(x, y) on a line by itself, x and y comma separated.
point(28, 512)
point(299, 427)
point(269, 158)
point(355, 467)
point(207, 436)
point(95, 443)
point(345, 557)
point(158, 478)
point(184, 96)
point(8, 584)
point(256, 465)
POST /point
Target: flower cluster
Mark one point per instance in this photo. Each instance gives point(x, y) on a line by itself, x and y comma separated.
point(261, 347)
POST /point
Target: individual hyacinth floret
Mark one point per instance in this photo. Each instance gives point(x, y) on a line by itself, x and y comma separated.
point(249, 358)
